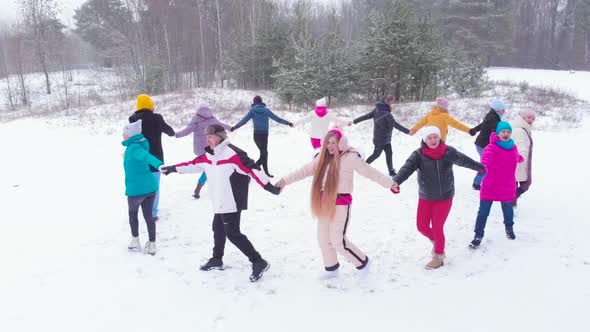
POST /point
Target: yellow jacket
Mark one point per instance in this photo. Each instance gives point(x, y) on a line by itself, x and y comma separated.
point(441, 119)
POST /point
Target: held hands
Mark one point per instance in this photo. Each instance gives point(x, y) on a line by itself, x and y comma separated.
point(472, 132)
point(291, 124)
point(350, 123)
point(281, 184)
point(167, 169)
point(412, 132)
point(395, 188)
point(232, 129)
point(275, 190)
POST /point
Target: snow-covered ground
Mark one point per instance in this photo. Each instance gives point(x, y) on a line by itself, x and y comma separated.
point(65, 266)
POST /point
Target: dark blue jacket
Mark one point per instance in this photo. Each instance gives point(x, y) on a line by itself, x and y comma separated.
point(383, 123)
point(260, 114)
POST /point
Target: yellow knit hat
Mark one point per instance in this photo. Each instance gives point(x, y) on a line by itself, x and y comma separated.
point(144, 102)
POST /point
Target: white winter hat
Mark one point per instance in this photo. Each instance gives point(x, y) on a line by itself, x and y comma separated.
point(320, 102)
point(133, 128)
point(429, 130)
point(203, 104)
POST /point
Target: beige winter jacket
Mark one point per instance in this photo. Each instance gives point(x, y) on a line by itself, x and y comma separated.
point(523, 142)
point(350, 162)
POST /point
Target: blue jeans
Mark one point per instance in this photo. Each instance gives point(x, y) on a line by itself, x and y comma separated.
point(478, 178)
point(157, 199)
point(484, 212)
point(202, 179)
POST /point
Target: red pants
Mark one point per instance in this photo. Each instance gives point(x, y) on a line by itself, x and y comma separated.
point(430, 221)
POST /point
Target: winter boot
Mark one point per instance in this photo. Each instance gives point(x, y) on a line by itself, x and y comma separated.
point(212, 264)
point(330, 272)
point(436, 262)
point(258, 269)
point(197, 193)
point(134, 243)
point(150, 248)
point(475, 243)
point(510, 233)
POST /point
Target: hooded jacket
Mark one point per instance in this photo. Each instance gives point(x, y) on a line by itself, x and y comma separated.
point(522, 136)
point(153, 125)
point(486, 127)
point(139, 180)
point(228, 171)
point(441, 119)
point(260, 114)
point(383, 123)
point(197, 125)
point(350, 162)
point(436, 180)
point(320, 125)
point(499, 184)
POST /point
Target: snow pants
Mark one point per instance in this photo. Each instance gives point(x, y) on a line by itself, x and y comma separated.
point(227, 225)
point(430, 221)
point(332, 240)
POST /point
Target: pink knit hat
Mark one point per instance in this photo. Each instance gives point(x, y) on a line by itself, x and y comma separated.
point(442, 103)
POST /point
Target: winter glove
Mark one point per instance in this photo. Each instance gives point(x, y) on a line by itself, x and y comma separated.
point(272, 189)
point(167, 169)
point(396, 190)
point(232, 129)
point(472, 131)
point(482, 172)
point(291, 124)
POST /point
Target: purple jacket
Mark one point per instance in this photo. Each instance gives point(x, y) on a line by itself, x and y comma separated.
point(499, 184)
point(203, 118)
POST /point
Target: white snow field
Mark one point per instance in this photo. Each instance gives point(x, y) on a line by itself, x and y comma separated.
point(65, 265)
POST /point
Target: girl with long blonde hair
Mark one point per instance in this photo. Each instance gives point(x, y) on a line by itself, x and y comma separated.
point(331, 197)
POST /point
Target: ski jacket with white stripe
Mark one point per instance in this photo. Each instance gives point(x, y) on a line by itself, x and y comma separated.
point(228, 172)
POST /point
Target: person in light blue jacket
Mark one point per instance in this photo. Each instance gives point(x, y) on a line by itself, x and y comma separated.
point(260, 114)
point(140, 184)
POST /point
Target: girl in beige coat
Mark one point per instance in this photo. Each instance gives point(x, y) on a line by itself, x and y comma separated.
point(522, 135)
point(331, 196)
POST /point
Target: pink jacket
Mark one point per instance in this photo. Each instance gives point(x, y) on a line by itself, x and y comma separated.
point(350, 162)
point(499, 184)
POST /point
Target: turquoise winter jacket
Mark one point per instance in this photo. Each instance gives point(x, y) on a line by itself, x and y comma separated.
point(260, 114)
point(139, 179)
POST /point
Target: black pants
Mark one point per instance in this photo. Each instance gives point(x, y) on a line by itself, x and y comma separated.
point(146, 202)
point(261, 141)
point(228, 225)
point(388, 156)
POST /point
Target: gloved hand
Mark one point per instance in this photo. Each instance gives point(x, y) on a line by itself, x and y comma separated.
point(472, 131)
point(167, 169)
point(482, 172)
point(396, 190)
point(232, 129)
point(272, 189)
point(291, 124)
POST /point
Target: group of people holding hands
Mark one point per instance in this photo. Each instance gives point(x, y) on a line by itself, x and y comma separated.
point(229, 170)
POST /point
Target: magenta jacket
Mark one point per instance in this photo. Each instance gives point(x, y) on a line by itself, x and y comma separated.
point(499, 184)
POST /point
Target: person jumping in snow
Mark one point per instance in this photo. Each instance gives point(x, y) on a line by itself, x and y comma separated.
point(320, 119)
point(485, 128)
point(383, 124)
point(500, 158)
point(440, 118)
point(200, 121)
point(152, 129)
point(331, 197)
point(140, 185)
point(260, 114)
point(229, 171)
point(523, 138)
point(434, 162)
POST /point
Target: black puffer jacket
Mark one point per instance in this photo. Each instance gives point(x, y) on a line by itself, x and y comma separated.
point(153, 125)
point(435, 177)
point(489, 124)
point(383, 123)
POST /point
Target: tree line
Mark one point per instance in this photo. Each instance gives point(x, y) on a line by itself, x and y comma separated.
point(347, 50)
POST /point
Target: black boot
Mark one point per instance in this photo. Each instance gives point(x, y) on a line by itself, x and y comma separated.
point(258, 269)
point(475, 243)
point(212, 264)
point(510, 233)
point(197, 193)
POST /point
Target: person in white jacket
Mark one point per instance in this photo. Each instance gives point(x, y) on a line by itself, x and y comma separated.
point(320, 120)
point(522, 136)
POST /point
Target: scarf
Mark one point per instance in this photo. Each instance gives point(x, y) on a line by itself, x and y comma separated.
point(321, 111)
point(435, 153)
point(506, 145)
